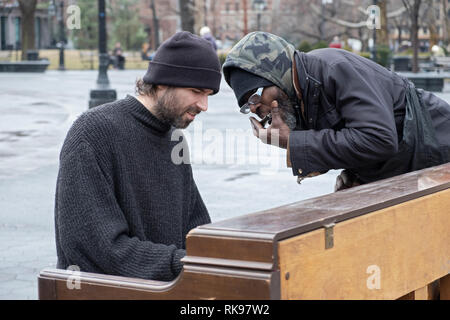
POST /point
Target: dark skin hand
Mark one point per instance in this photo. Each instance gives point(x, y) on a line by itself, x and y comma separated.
point(277, 133)
point(346, 180)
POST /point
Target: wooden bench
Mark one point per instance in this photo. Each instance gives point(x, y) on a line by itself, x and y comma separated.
point(443, 63)
point(5, 56)
point(385, 240)
point(88, 58)
point(133, 60)
point(429, 81)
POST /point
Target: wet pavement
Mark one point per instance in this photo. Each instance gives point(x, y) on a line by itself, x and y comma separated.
point(36, 110)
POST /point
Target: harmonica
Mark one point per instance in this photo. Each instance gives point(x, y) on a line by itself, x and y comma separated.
point(266, 119)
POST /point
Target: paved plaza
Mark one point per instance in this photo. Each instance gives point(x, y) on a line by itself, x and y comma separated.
point(36, 110)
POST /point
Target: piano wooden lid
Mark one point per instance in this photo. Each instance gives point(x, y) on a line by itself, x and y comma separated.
point(304, 216)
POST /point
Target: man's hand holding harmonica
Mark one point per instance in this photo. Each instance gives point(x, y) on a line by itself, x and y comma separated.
point(277, 133)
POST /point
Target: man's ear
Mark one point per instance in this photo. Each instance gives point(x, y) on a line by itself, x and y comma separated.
point(160, 90)
point(273, 93)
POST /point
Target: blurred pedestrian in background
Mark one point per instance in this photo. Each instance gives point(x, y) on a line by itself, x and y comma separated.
point(118, 57)
point(336, 43)
point(206, 34)
point(146, 52)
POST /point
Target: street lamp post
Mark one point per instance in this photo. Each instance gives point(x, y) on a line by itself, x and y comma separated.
point(62, 39)
point(8, 8)
point(51, 15)
point(260, 6)
point(205, 13)
point(103, 93)
point(244, 5)
point(374, 37)
point(155, 24)
point(259, 20)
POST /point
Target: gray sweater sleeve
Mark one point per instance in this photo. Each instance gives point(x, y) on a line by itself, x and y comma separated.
point(199, 212)
point(93, 228)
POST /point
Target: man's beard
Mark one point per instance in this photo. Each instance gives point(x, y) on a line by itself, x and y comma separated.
point(287, 111)
point(167, 110)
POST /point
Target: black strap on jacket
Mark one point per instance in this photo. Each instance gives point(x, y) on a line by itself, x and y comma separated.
point(418, 149)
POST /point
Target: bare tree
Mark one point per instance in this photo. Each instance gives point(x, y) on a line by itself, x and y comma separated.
point(445, 22)
point(155, 24)
point(400, 22)
point(212, 10)
point(430, 18)
point(383, 33)
point(187, 15)
point(350, 15)
point(27, 9)
point(309, 19)
point(413, 8)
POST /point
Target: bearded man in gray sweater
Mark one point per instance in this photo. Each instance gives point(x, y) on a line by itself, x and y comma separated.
point(122, 205)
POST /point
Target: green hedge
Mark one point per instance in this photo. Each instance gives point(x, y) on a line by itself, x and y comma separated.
point(305, 46)
point(222, 57)
point(383, 55)
point(364, 54)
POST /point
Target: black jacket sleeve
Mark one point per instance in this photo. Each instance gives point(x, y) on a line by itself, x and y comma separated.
point(92, 229)
point(369, 134)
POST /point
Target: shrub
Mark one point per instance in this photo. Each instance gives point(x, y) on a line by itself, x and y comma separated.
point(383, 55)
point(222, 57)
point(348, 48)
point(304, 46)
point(365, 54)
point(319, 45)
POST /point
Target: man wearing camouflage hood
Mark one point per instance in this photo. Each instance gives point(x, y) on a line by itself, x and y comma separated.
point(332, 109)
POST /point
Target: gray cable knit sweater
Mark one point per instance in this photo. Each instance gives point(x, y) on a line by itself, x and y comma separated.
point(122, 207)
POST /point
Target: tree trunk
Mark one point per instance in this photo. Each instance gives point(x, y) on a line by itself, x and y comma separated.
point(155, 25)
point(321, 25)
point(413, 11)
point(27, 9)
point(244, 5)
point(434, 36)
point(382, 33)
point(446, 24)
point(415, 35)
point(199, 15)
point(431, 21)
point(212, 11)
point(187, 15)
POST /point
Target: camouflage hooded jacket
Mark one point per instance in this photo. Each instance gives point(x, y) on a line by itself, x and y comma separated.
point(354, 108)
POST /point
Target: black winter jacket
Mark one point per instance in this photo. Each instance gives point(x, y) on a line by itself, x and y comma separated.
point(354, 115)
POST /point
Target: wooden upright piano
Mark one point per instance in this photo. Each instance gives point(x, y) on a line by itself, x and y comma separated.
point(385, 240)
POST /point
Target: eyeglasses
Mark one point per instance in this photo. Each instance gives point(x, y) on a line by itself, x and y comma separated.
point(254, 99)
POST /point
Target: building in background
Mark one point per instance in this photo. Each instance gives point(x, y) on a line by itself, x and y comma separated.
point(168, 19)
point(46, 23)
point(231, 20)
point(228, 20)
point(225, 18)
point(11, 26)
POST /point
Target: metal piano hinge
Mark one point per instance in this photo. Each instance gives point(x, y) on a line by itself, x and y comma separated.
point(329, 235)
